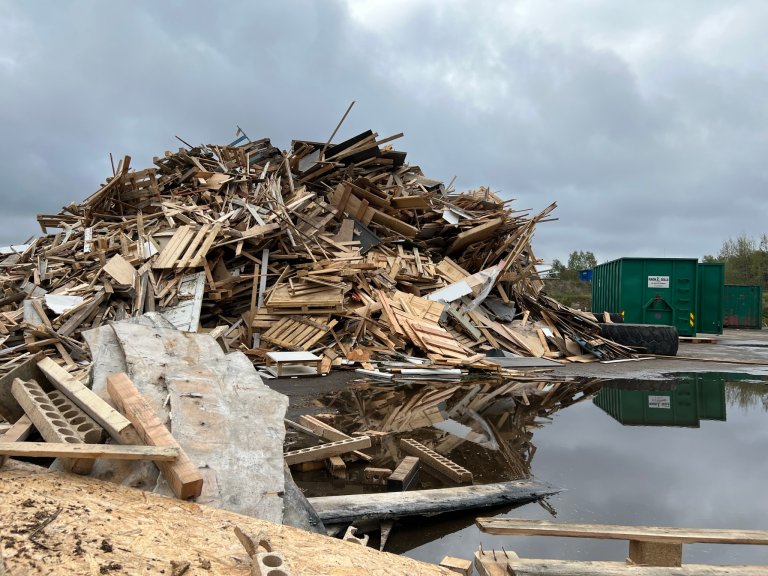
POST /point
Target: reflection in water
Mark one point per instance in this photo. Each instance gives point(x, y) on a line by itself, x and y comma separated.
point(686, 401)
point(484, 426)
point(610, 475)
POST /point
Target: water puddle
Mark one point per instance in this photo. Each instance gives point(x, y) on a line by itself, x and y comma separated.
point(685, 450)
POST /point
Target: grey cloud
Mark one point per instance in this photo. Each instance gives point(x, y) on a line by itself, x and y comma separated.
point(656, 152)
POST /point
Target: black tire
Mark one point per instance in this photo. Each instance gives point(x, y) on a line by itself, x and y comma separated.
point(616, 317)
point(650, 338)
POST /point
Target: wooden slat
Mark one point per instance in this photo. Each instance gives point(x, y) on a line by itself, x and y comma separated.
point(436, 461)
point(605, 531)
point(89, 451)
point(110, 419)
point(326, 450)
point(182, 475)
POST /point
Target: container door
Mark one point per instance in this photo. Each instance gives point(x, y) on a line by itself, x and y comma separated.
point(710, 301)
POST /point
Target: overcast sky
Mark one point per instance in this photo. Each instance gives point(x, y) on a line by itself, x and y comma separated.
point(645, 121)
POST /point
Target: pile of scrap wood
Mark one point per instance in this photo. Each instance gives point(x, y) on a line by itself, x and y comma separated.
point(341, 249)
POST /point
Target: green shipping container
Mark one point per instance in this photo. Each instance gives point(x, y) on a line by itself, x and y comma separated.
point(743, 307)
point(648, 291)
point(710, 298)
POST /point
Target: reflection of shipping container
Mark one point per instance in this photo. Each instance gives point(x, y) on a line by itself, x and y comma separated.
point(685, 403)
point(649, 291)
point(710, 296)
point(743, 307)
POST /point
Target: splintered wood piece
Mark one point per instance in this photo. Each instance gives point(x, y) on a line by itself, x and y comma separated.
point(182, 474)
point(89, 402)
point(88, 451)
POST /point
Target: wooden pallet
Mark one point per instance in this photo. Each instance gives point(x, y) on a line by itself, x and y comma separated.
point(187, 247)
point(298, 333)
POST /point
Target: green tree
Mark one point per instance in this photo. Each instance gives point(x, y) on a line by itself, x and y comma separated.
point(581, 261)
point(576, 261)
point(746, 260)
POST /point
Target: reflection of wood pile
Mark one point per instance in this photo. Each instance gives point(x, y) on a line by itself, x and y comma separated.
point(345, 237)
point(493, 419)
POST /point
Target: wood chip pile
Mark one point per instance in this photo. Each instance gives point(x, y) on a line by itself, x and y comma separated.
point(343, 250)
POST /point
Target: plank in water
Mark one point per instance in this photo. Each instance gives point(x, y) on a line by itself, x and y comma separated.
point(182, 475)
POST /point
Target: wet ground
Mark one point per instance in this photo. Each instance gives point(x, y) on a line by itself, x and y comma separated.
point(663, 442)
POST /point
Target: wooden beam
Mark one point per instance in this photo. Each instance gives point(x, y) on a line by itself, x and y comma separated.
point(89, 451)
point(89, 402)
point(182, 475)
point(387, 505)
point(655, 553)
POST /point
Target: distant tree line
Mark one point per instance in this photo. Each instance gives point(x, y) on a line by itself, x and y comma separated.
point(745, 259)
point(577, 260)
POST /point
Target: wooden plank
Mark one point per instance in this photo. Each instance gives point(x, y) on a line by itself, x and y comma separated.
point(326, 450)
point(394, 224)
point(436, 461)
point(182, 475)
point(89, 451)
point(110, 419)
point(608, 531)
point(476, 234)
